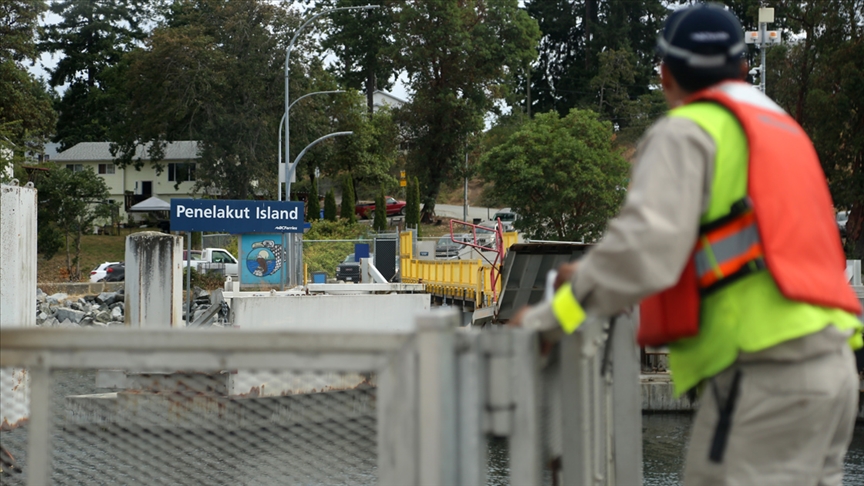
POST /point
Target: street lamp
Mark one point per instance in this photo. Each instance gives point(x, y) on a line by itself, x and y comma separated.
point(287, 74)
point(290, 172)
point(764, 38)
point(285, 115)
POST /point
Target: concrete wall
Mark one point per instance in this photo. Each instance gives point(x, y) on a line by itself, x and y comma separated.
point(388, 312)
point(17, 291)
point(80, 288)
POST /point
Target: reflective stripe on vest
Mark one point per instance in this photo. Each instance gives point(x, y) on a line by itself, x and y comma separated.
point(728, 251)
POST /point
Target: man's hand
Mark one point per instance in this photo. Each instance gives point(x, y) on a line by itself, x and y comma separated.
point(518, 317)
point(565, 273)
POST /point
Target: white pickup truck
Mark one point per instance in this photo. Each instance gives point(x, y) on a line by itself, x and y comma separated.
point(213, 255)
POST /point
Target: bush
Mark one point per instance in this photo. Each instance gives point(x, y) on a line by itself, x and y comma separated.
point(324, 256)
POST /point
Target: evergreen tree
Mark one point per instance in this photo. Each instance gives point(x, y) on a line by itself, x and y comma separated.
point(91, 38)
point(409, 205)
point(348, 199)
point(313, 208)
point(26, 115)
point(380, 222)
point(330, 206)
point(361, 41)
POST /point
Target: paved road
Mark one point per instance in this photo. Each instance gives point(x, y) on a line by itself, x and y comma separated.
point(452, 211)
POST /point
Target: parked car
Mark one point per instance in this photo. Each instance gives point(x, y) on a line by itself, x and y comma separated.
point(115, 272)
point(349, 270)
point(842, 217)
point(446, 248)
point(367, 209)
point(508, 218)
point(98, 273)
point(213, 255)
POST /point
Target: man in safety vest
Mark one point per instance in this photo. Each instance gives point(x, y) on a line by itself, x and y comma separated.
point(727, 238)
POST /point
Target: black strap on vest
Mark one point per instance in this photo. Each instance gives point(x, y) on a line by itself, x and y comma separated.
point(725, 409)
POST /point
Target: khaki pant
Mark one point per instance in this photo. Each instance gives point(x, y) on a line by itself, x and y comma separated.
point(791, 424)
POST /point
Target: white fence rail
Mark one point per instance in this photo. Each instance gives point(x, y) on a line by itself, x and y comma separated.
point(243, 407)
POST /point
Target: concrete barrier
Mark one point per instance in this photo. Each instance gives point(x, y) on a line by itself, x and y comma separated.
point(80, 288)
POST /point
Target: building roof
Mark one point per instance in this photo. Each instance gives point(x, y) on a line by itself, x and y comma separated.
point(91, 151)
point(383, 98)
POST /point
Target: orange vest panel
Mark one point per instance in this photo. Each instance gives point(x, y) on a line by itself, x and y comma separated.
point(794, 215)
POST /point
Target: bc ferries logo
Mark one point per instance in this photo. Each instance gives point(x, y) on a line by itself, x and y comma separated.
point(265, 258)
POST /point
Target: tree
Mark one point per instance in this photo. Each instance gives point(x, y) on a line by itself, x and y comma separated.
point(91, 38)
point(459, 58)
point(213, 71)
point(330, 206)
point(26, 115)
point(822, 86)
point(369, 154)
point(348, 199)
point(360, 40)
point(72, 201)
point(313, 208)
point(380, 221)
point(561, 174)
point(410, 222)
point(576, 33)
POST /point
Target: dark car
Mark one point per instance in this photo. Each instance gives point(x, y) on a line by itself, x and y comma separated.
point(116, 272)
point(348, 270)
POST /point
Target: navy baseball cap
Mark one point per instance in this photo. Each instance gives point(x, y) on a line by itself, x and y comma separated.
point(703, 36)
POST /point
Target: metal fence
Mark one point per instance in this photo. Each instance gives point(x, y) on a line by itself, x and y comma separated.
point(242, 407)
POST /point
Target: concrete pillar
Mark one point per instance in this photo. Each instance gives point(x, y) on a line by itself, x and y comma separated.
point(17, 291)
point(154, 296)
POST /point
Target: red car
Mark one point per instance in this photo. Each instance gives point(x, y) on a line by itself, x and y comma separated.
point(367, 209)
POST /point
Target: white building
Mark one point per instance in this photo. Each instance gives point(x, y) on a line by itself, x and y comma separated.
point(382, 98)
point(128, 186)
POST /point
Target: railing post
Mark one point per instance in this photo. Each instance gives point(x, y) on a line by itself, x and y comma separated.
point(437, 400)
point(626, 401)
point(39, 428)
point(471, 368)
point(398, 419)
point(526, 439)
point(583, 449)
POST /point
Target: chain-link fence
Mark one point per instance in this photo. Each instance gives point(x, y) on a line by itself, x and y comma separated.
point(196, 428)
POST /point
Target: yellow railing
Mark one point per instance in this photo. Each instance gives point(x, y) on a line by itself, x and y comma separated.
point(460, 279)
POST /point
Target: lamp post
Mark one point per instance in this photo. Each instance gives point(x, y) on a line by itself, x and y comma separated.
point(284, 116)
point(287, 74)
point(764, 38)
point(295, 258)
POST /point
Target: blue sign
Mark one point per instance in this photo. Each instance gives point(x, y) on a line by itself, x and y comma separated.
point(262, 259)
point(236, 216)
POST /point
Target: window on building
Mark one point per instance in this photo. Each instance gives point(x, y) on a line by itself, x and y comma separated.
point(106, 168)
point(182, 172)
point(75, 167)
point(44, 157)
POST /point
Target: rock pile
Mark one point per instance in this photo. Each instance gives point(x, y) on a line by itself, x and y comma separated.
point(103, 310)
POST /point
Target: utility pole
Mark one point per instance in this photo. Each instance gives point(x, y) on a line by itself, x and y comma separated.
point(763, 37)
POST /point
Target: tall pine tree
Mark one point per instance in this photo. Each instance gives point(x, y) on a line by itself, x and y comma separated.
point(91, 40)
